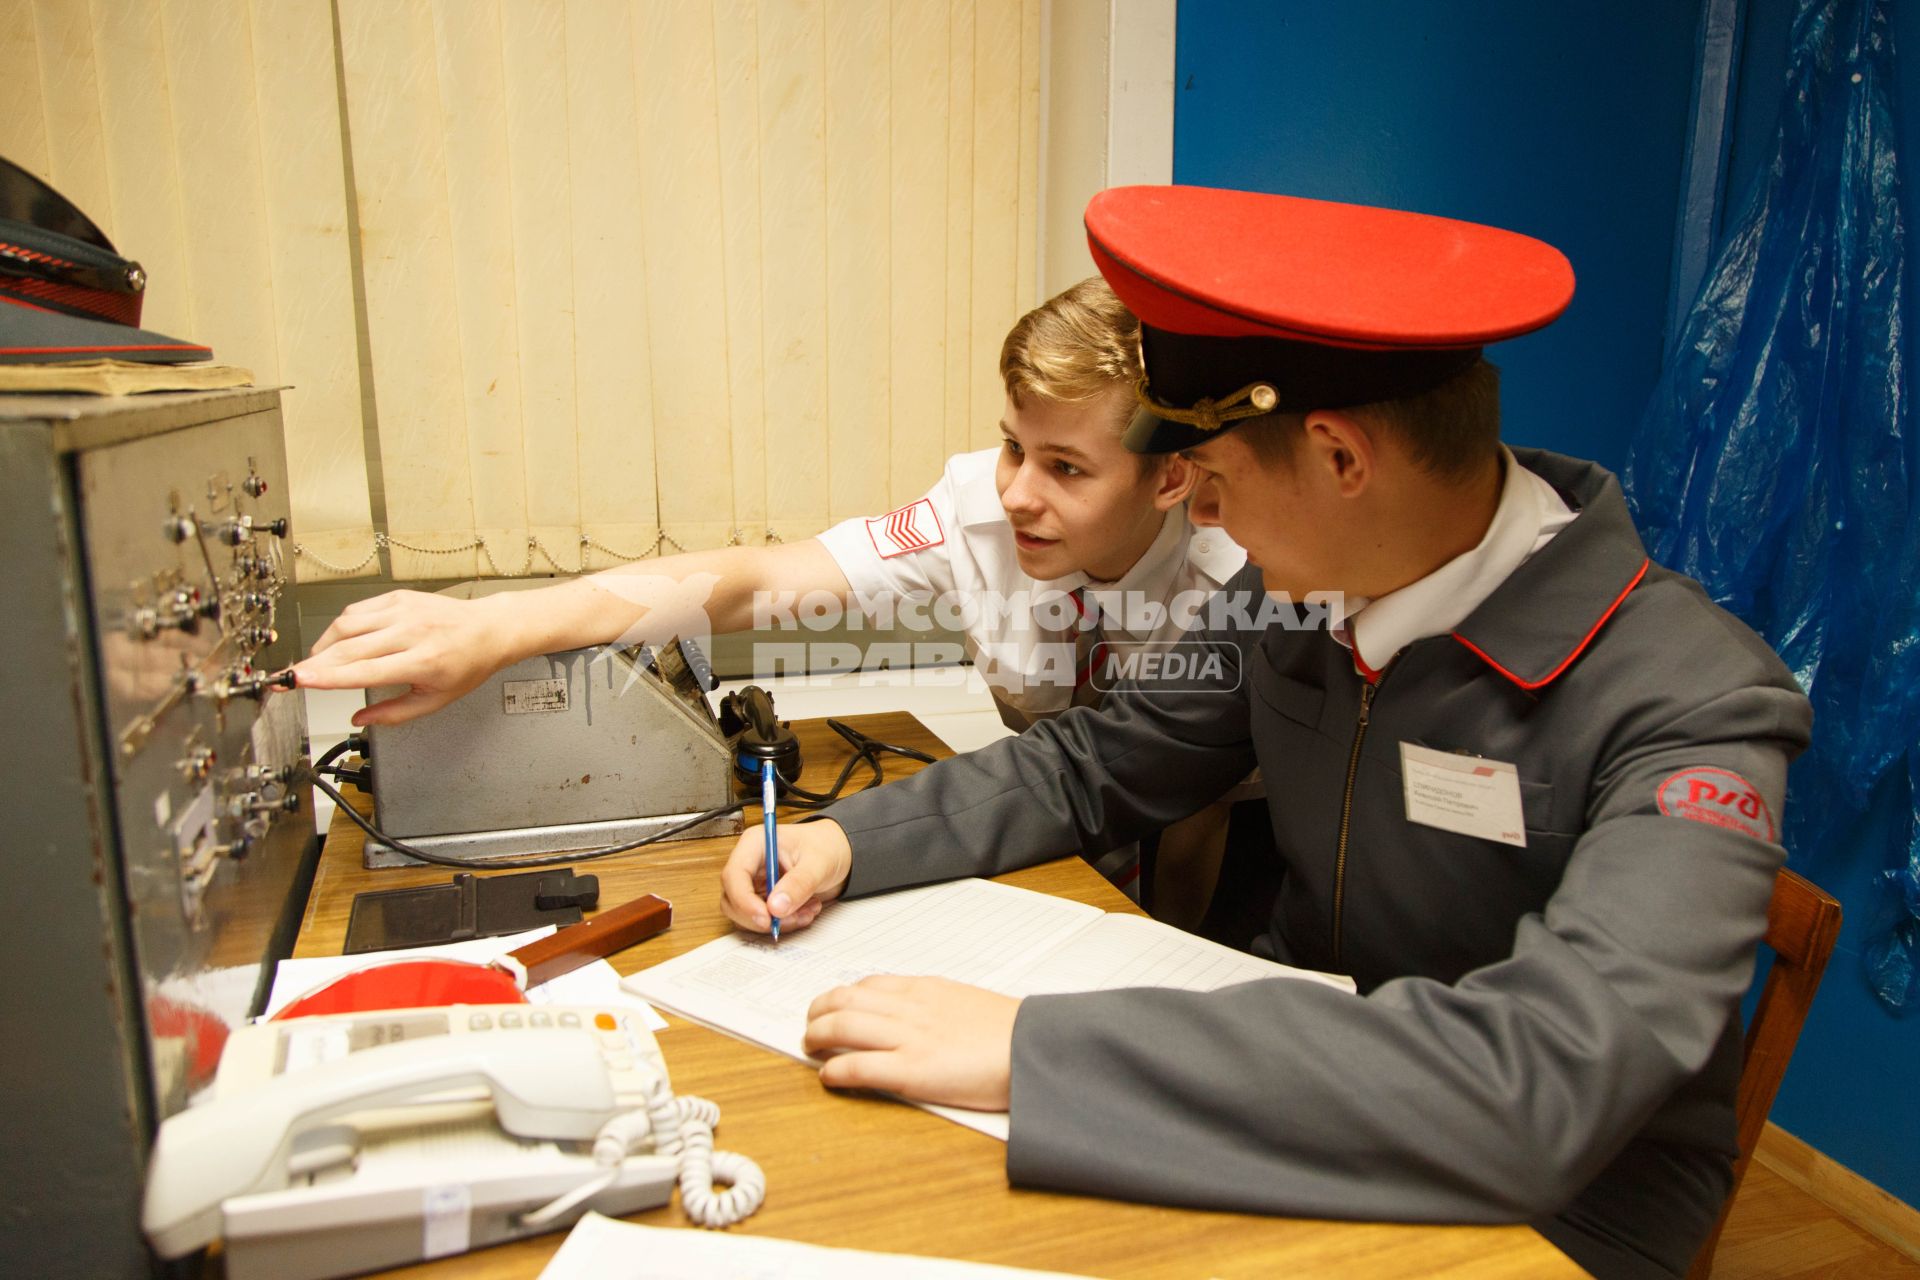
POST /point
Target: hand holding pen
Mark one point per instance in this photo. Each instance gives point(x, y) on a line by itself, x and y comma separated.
point(816, 859)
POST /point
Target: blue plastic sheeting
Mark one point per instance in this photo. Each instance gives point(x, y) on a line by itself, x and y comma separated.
point(1773, 461)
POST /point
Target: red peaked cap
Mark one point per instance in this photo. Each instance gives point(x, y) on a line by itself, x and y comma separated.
point(1313, 304)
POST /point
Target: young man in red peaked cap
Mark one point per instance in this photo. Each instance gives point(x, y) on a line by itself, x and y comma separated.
point(1530, 796)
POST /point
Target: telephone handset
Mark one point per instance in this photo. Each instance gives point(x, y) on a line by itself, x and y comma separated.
point(338, 1144)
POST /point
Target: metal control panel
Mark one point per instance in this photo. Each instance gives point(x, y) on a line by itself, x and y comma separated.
point(186, 540)
point(155, 816)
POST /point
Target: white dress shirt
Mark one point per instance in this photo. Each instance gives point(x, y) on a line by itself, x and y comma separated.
point(1530, 512)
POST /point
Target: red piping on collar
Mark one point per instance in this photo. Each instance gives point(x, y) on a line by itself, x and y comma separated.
point(1360, 664)
point(1578, 649)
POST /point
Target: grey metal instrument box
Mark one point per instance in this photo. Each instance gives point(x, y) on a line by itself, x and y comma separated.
point(156, 826)
point(572, 750)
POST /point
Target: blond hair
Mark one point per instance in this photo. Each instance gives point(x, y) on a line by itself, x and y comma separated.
point(1072, 348)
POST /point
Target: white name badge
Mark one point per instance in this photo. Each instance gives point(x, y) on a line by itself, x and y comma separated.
point(1470, 795)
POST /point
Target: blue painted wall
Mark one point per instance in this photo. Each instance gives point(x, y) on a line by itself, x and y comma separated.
point(1567, 121)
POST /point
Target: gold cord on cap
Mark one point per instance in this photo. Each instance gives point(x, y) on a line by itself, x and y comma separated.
point(1209, 414)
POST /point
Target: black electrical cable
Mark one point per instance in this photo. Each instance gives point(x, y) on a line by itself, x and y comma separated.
point(800, 798)
point(338, 749)
point(866, 742)
point(326, 764)
point(361, 777)
point(543, 860)
point(867, 750)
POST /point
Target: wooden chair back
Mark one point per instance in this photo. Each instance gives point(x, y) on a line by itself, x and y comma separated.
point(1803, 922)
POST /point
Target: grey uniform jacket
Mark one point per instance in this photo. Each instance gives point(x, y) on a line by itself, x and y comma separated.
point(1545, 1034)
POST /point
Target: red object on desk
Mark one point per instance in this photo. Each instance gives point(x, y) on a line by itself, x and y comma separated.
point(415, 984)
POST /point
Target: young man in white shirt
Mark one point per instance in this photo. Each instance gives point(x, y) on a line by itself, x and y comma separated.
point(1005, 534)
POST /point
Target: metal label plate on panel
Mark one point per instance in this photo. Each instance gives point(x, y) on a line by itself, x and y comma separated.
point(523, 697)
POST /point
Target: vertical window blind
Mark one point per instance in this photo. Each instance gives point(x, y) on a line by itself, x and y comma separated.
point(592, 280)
point(204, 139)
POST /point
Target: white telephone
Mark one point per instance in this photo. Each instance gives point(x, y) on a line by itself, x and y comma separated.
point(339, 1144)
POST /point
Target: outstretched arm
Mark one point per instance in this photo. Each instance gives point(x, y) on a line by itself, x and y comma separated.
point(441, 647)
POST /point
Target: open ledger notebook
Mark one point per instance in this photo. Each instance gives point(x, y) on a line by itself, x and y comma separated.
point(1010, 940)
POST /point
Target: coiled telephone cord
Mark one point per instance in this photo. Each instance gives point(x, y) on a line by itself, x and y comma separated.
point(671, 1126)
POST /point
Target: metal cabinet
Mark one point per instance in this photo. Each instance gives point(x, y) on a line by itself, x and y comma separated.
point(158, 831)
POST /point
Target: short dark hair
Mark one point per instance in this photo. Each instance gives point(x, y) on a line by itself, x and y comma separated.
point(1448, 430)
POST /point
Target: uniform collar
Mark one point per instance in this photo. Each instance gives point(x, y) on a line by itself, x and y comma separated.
point(1178, 544)
point(977, 501)
point(1528, 510)
point(1537, 622)
point(1150, 577)
point(1211, 550)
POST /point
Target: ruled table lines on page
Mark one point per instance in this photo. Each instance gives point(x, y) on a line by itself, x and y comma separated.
point(1006, 939)
point(969, 930)
point(965, 931)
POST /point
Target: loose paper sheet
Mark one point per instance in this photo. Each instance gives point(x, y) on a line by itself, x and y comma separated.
point(600, 1248)
point(997, 936)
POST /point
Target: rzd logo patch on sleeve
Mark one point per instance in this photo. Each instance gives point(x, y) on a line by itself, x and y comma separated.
point(1719, 799)
point(914, 527)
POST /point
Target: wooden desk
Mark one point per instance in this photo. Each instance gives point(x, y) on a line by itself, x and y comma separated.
point(867, 1173)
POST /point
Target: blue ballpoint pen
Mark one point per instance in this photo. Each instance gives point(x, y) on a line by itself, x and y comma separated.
point(773, 854)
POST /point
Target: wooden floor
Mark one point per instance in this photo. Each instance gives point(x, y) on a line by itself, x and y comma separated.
point(1779, 1232)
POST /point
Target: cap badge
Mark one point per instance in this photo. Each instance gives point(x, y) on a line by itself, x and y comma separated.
point(1209, 414)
